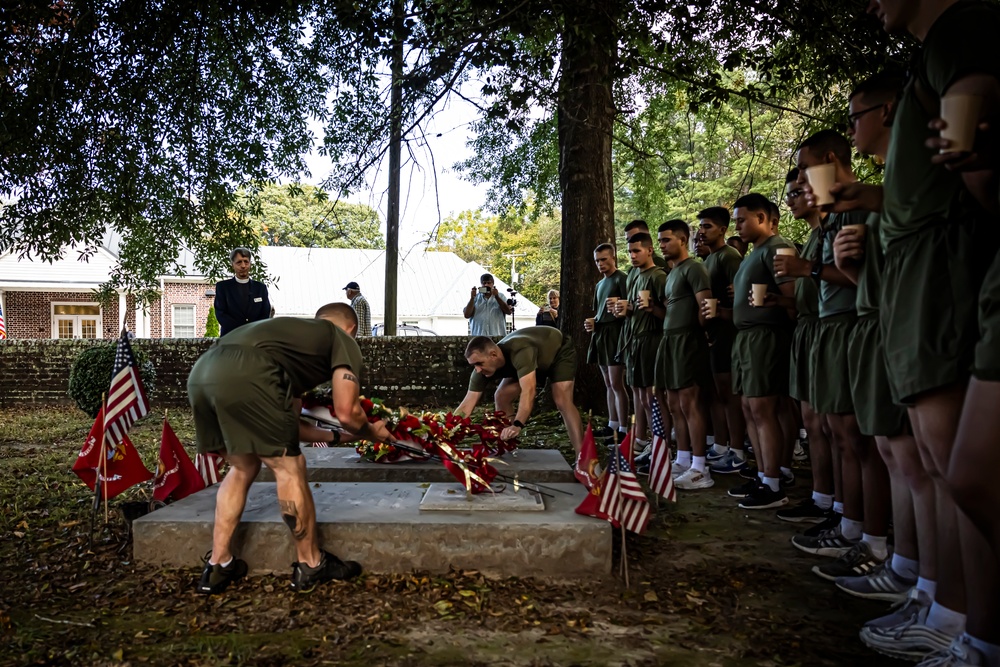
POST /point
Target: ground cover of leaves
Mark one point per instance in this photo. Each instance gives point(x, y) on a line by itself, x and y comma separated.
point(710, 585)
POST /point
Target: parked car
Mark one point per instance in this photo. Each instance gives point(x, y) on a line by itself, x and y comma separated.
point(403, 330)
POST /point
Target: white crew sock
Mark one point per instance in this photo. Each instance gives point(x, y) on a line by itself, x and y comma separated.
point(906, 568)
point(802, 434)
point(824, 501)
point(944, 619)
point(928, 586)
point(990, 651)
point(684, 458)
point(613, 425)
point(838, 507)
point(719, 450)
point(773, 482)
point(851, 529)
point(787, 472)
point(226, 564)
point(709, 440)
point(739, 454)
point(622, 429)
point(698, 463)
point(760, 474)
point(877, 545)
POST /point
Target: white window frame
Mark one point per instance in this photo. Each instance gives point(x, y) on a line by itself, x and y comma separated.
point(76, 326)
point(173, 319)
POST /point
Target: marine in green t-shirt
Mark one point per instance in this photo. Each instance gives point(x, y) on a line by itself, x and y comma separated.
point(758, 268)
point(523, 361)
point(606, 338)
point(242, 393)
point(686, 280)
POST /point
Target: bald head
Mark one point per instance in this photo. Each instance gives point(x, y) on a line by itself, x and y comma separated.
point(342, 316)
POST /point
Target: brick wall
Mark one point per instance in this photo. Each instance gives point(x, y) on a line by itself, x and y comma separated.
point(181, 293)
point(29, 314)
point(420, 371)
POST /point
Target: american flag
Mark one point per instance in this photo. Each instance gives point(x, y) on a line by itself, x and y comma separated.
point(661, 480)
point(3, 329)
point(208, 466)
point(126, 399)
point(623, 500)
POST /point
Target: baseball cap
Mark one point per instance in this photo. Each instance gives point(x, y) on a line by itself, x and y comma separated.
point(353, 285)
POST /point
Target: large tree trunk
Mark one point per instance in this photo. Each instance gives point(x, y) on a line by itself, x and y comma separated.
point(585, 117)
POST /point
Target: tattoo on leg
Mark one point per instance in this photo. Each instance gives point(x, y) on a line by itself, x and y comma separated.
point(290, 515)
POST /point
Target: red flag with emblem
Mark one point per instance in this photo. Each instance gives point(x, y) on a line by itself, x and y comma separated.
point(587, 464)
point(122, 468)
point(176, 476)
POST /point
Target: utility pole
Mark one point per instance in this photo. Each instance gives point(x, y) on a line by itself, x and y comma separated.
point(395, 148)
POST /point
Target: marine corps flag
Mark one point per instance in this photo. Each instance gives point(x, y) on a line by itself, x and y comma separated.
point(176, 476)
point(587, 468)
point(121, 469)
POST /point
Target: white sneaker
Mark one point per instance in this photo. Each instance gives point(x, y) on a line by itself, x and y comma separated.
point(694, 479)
point(960, 654)
point(677, 469)
point(912, 639)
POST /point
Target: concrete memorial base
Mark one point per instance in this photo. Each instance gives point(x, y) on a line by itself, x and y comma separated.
point(453, 498)
point(381, 525)
point(342, 464)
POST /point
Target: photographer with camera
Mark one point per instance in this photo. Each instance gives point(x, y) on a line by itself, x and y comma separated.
point(487, 309)
point(548, 315)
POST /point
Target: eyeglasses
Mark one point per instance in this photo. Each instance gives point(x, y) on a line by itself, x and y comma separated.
point(792, 194)
point(852, 118)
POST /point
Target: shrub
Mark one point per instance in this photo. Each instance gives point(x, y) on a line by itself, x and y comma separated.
point(90, 376)
point(212, 325)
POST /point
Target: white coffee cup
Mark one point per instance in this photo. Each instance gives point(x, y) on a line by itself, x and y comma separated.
point(786, 251)
point(759, 293)
point(644, 296)
point(961, 113)
point(821, 178)
point(713, 307)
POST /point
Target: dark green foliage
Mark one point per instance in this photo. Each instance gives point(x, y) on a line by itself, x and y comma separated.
point(212, 325)
point(90, 376)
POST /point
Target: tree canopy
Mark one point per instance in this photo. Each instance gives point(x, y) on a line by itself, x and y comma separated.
point(303, 216)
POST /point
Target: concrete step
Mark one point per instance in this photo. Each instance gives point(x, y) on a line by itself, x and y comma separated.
point(381, 526)
point(342, 464)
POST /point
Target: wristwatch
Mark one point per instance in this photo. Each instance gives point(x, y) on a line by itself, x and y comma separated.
point(816, 270)
point(518, 423)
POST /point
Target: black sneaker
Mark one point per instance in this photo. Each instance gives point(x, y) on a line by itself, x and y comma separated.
point(831, 544)
point(806, 511)
point(763, 498)
point(857, 562)
point(744, 489)
point(330, 567)
point(603, 432)
point(750, 472)
point(831, 521)
point(215, 578)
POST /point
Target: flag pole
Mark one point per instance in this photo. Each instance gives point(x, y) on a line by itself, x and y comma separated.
point(622, 524)
point(104, 453)
point(96, 505)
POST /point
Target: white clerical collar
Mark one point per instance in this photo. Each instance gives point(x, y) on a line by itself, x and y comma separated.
point(241, 282)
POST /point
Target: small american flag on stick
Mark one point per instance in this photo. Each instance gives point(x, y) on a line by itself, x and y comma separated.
point(127, 402)
point(661, 480)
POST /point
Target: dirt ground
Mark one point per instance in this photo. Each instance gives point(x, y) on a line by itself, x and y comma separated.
point(710, 585)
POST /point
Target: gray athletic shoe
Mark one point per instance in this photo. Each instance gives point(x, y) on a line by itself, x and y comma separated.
point(857, 562)
point(960, 654)
point(902, 611)
point(912, 639)
point(882, 584)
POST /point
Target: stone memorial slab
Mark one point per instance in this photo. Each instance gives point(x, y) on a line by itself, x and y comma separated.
point(382, 526)
point(453, 498)
point(342, 464)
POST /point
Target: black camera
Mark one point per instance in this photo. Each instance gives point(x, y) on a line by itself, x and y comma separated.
point(513, 293)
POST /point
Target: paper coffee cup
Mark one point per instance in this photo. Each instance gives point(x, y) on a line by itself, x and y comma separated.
point(786, 251)
point(588, 324)
point(858, 229)
point(821, 178)
point(713, 307)
point(961, 113)
point(644, 295)
point(759, 292)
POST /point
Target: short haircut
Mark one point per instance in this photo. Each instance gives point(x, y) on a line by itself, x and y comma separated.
point(829, 141)
point(486, 276)
point(244, 252)
point(338, 310)
point(552, 292)
point(637, 224)
point(642, 238)
point(773, 211)
point(481, 344)
point(792, 175)
point(754, 201)
point(719, 215)
point(677, 227)
point(605, 246)
point(882, 87)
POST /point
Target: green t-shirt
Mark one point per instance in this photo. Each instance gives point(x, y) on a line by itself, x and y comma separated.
point(806, 291)
point(722, 266)
point(609, 286)
point(837, 299)
point(525, 350)
point(684, 282)
point(917, 193)
point(870, 276)
point(758, 267)
point(306, 350)
point(653, 279)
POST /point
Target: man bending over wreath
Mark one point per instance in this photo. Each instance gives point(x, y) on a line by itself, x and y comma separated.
point(523, 361)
